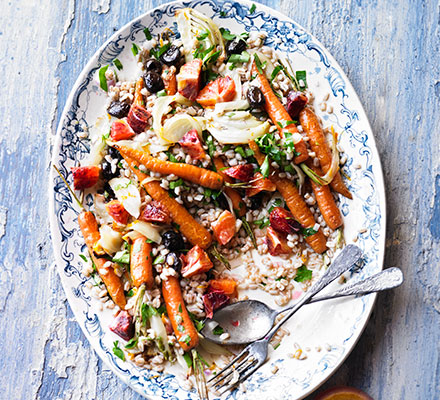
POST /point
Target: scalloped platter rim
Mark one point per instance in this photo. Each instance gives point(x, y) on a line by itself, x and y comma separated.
point(326, 332)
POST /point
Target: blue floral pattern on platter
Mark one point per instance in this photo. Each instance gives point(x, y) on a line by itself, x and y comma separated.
point(366, 184)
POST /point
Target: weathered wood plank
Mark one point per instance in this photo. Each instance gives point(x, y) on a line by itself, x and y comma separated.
point(389, 50)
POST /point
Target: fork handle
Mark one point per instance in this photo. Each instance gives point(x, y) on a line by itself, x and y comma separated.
point(343, 262)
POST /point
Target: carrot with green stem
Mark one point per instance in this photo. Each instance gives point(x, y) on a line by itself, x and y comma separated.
point(188, 226)
point(183, 327)
point(141, 263)
point(191, 173)
point(89, 229)
point(320, 147)
point(279, 115)
point(296, 204)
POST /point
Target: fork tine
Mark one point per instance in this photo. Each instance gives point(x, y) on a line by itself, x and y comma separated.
point(246, 359)
point(213, 378)
point(255, 364)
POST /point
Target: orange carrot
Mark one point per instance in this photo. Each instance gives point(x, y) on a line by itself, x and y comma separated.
point(191, 173)
point(237, 201)
point(138, 98)
point(279, 115)
point(319, 145)
point(141, 263)
point(89, 228)
point(183, 327)
point(169, 79)
point(189, 227)
point(296, 204)
point(326, 203)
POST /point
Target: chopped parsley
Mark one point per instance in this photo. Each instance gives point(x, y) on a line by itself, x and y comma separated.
point(102, 78)
point(134, 49)
point(185, 339)
point(262, 223)
point(301, 77)
point(171, 157)
point(84, 258)
point(130, 293)
point(157, 52)
point(147, 312)
point(198, 324)
point(117, 351)
point(253, 8)
point(180, 307)
point(275, 72)
point(203, 35)
point(118, 64)
point(308, 232)
point(131, 343)
point(303, 274)
point(147, 34)
point(174, 184)
point(218, 330)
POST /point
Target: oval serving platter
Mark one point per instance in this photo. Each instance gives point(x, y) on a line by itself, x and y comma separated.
point(326, 332)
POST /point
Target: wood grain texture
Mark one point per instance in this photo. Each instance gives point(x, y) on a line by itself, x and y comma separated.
point(390, 52)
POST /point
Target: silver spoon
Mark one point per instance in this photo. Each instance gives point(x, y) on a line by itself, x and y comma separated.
point(249, 320)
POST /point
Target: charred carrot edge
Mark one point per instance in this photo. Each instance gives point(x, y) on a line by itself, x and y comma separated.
point(189, 227)
point(326, 203)
point(170, 80)
point(319, 145)
point(191, 173)
point(141, 263)
point(183, 327)
point(138, 98)
point(237, 201)
point(278, 114)
point(89, 228)
point(296, 204)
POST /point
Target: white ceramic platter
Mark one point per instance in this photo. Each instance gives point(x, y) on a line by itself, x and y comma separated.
point(332, 326)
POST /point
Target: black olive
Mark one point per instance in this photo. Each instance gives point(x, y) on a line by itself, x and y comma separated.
point(255, 97)
point(118, 109)
point(106, 171)
point(108, 192)
point(171, 56)
point(236, 46)
point(256, 201)
point(153, 65)
point(173, 241)
point(113, 153)
point(153, 82)
point(173, 260)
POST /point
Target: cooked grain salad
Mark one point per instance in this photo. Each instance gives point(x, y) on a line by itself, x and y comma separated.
point(211, 177)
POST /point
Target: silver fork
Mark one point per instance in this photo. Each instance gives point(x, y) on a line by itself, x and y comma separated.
point(255, 354)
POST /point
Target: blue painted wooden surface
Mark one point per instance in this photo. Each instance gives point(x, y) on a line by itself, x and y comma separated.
point(389, 50)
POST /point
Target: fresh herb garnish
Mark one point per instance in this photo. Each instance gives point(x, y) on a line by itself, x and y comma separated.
point(301, 77)
point(308, 232)
point(275, 72)
point(275, 203)
point(198, 324)
point(157, 52)
point(203, 35)
point(185, 339)
point(117, 351)
point(131, 343)
point(284, 124)
point(212, 58)
point(258, 63)
point(249, 231)
point(118, 64)
point(253, 8)
point(239, 58)
point(130, 293)
point(122, 257)
point(303, 274)
point(147, 312)
point(171, 157)
point(265, 167)
point(102, 78)
point(84, 258)
point(147, 34)
point(134, 49)
point(159, 260)
point(218, 330)
point(180, 307)
point(219, 256)
point(223, 13)
point(262, 223)
point(174, 184)
point(211, 146)
point(188, 359)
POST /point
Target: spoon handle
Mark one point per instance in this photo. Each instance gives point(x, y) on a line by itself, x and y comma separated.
point(344, 261)
point(387, 279)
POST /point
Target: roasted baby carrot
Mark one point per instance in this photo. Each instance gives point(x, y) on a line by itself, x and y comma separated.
point(189, 227)
point(326, 203)
point(237, 201)
point(319, 145)
point(141, 263)
point(201, 176)
point(279, 115)
point(296, 204)
point(89, 228)
point(182, 324)
point(169, 80)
